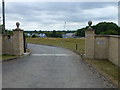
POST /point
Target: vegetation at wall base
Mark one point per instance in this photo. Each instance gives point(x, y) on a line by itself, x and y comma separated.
point(107, 69)
point(6, 57)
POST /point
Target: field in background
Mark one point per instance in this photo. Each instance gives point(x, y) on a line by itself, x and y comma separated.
point(109, 70)
point(75, 44)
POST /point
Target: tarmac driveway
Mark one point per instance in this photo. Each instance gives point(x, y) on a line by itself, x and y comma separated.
point(49, 67)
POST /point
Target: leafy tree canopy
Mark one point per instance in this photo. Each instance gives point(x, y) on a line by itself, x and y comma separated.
point(102, 28)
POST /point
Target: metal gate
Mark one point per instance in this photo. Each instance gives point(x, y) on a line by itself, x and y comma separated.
point(25, 44)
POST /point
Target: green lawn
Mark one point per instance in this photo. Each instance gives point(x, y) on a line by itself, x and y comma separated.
point(69, 43)
point(103, 66)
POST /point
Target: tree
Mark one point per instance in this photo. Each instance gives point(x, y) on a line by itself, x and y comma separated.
point(105, 26)
point(102, 28)
point(33, 36)
point(35, 31)
point(54, 33)
point(109, 32)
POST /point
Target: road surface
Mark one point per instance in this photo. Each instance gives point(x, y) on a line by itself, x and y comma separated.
point(49, 67)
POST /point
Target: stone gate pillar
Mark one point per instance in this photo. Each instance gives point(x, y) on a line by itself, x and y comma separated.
point(0, 44)
point(18, 42)
point(89, 42)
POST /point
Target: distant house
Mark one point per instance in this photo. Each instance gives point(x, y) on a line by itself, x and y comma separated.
point(64, 36)
point(42, 35)
point(39, 34)
point(28, 34)
point(68, 35)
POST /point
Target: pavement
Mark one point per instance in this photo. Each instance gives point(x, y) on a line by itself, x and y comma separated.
point(49, 67)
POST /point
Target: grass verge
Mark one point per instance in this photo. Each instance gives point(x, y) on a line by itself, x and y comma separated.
point(7, 57)
point(105, 67)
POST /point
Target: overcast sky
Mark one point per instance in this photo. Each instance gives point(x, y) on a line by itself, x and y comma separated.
point(53, 15)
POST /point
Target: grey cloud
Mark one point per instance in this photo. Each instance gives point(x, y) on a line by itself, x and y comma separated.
point(47, 13)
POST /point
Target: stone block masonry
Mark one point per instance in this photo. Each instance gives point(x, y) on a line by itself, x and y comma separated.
point(13, 44)
point(0, 44)
point(102, 46)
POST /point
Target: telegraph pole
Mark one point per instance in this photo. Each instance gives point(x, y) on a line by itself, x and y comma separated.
point(0, 20)
point(0, 26)
point(3, 14)
point(119, 13)
point(65, 25)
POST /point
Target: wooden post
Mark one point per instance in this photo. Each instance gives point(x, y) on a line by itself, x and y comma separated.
point(76, 46)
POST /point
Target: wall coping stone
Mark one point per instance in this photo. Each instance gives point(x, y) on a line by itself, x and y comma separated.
point(117, 36)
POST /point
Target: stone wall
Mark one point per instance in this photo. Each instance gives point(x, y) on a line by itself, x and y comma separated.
point(7, 45)
point(89, 46)
point(103, 46)
point(18, 43)
point(13, 44)
point(0, 44)
point(113, 49)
